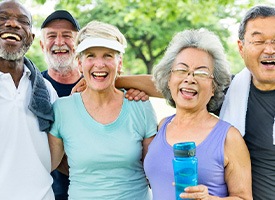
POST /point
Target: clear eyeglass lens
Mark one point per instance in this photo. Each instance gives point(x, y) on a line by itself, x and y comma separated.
point(199, 73)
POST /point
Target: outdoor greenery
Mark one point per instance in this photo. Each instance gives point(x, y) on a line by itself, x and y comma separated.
point(149, 25)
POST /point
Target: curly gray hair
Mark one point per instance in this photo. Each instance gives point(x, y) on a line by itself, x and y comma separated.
point(201, 39)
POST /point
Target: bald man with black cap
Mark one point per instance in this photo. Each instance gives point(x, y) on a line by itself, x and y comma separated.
point(58, 32)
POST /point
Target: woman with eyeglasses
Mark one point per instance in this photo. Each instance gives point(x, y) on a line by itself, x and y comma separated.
point(192, 76)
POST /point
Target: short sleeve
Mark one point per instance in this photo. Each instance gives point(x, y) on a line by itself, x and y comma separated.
point(55, 129)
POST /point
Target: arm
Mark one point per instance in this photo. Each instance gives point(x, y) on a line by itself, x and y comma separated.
point(56, 149)
point(237, 171)
point(138, 86)
point(141, 82)
point(238, 168)
point(63, 167)
point(145, 143)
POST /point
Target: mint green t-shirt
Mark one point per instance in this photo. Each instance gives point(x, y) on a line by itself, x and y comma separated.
point(105, 160)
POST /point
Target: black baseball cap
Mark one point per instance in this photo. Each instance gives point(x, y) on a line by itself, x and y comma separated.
point(61, 14)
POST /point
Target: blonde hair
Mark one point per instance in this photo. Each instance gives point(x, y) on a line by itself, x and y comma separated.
point(97, 29)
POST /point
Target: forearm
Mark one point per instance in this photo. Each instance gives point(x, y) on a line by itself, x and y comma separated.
point(63, 167)
point(56, 149)
point(141, 82)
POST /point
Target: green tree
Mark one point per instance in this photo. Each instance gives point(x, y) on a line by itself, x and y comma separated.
point(149, 25)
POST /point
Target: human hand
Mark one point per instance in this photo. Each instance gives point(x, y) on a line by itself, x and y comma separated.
point(134, 94)
point(199, 192)
point(80, 86)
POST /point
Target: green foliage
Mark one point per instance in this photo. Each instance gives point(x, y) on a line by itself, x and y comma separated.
point(36, 55)
point(234, 58)
point(149, 25)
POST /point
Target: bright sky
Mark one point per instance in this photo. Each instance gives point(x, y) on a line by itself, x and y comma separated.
point(46, 9)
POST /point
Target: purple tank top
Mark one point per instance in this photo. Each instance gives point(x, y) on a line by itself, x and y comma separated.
point(210, 153)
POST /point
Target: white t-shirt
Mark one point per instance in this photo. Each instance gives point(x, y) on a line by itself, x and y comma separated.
point(25, 162)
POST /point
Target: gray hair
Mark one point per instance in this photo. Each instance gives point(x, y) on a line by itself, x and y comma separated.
point(253, 13)
point(201, 39)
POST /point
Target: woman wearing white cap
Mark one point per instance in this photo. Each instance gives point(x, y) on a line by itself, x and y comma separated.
point(104, 135)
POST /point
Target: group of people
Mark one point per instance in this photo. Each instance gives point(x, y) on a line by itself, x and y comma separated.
point(106, 146)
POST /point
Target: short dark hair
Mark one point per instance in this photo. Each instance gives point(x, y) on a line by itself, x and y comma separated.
point(254, 12)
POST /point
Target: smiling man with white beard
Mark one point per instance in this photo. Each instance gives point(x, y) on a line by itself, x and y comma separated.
point(57, 42)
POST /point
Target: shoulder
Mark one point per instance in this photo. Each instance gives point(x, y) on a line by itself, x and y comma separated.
point(234, 142)
point(67, 100)
point(165, 120)
point(162, 122)
point(67, 104)
point(51, 90)
point(235, 150)
point(139, 104)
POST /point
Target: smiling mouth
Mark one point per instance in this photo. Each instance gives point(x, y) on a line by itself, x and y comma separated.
point(60, 51)
point(268, 62)
point(188, 92)
point(11, 36)
point(99, 74)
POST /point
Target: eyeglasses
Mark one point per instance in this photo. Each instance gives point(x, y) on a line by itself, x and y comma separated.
point(262, 43)
point(202, 73)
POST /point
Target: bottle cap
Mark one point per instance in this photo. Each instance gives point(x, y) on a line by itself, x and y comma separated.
point(184, 149)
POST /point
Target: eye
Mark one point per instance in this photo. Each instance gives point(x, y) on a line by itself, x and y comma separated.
point(90, 55)
point(67, 36)
point(3, 17)
point(108, 55)
point(24, 21)
point(180, 71)
point(51, 36)
point(258, 42)
point(201, 73)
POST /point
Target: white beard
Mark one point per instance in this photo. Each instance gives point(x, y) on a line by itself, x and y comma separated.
point(61, 63)
point(12, 56)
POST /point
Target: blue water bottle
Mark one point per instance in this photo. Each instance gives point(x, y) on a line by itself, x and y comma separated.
point(185, 165)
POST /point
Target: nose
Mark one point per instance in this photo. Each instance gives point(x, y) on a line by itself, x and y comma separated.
point(12, 23)
point(269, 47)
point(190, 78)
point(99, 62)
point(59, 40)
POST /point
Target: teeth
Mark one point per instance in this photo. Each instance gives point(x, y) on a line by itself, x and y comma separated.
point(60, 51)
point(100, 73)
point(269, 62)
point(6, 35)
point(186, 90)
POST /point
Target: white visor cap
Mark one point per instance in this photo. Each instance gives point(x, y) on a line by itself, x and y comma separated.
point(99, 42)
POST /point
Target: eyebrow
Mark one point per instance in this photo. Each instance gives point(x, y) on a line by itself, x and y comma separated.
point(255, 33)
point(56, 31)
point(17, 16)
point(199, 67)
point(181, 63)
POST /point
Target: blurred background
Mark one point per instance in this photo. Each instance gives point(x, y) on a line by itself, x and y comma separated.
point(149, 25)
